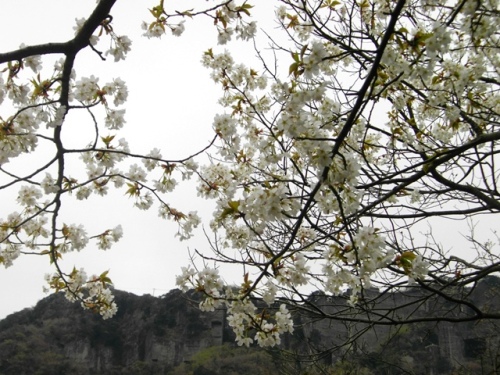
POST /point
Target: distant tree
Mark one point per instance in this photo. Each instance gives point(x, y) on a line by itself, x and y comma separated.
point(228, 360)
point(24, 350)
point(362, 121)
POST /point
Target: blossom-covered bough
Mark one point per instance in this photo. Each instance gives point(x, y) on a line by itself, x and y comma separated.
point(38, 108)
point(358, 123)
point(367, 120)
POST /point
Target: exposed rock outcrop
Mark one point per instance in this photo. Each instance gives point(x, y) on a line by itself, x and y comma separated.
point(157, 335)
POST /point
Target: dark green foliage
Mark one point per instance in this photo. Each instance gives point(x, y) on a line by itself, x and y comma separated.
point(27, 351)
point(228, 360)
point(137, 368)
point(204, 371)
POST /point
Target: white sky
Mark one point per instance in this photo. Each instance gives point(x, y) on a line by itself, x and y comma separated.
point(171, 105)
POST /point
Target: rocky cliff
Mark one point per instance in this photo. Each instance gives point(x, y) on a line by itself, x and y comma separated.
point(453, 344)
point(164, 331)
point(169, 335)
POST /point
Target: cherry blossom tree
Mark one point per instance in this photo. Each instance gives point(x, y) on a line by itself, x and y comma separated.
point(359, 122)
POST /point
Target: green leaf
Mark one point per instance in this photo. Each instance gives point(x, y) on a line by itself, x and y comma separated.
point(209, 53)
point(303, 51)
point(364, 4)
point(107, 140)
point(330, 4)
point(157, 10)
point(133, 189)
point(405, 260)
point(294, 21)
point(103, 277)
point(232, 210)
point(187, 13)
point(245, 8)
point(436, 79)
point(293, 68)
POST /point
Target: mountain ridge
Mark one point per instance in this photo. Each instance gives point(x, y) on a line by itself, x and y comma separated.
point(170, 335)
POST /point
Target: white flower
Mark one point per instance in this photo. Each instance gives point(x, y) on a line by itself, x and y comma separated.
point(210, 280)
point(83, 193)
point(28, 195)
point(115, 119)
point(36, 227)
point(86, 89)
point(100, 188)
point(151, 164)
point(19, 94)
point(244, 341)
point(49, 185)
point(123, 145)
point(284, 322)
point(415, 196)
point(121, 48)
point(32, 62)
point(117, 233)
point(224, 36)
point(79, 24)
point(222, 61)
point(75, 237)
point(9, 253)
point(281, 12)
point(191, 166)
point(191, 221)
point(209, 304)
point(266, 337)
point(419, 269)
point(270, 293)
point(2, 90)
point(247, 31)
point(155, 30)
point(177, 30)
point(109, 237)
point(225, 126)
point(58, 118)
point(108, 311)
point(144, 202)
point(165, 185)
point(185, 280)
point(303, 32)
point(136, 173)
point(117, 88)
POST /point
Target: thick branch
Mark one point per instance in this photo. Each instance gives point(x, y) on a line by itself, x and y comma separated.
point(80, 41)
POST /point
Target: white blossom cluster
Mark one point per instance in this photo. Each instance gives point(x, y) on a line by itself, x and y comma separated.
point(120, 44)
point(229, 18)
point(92, 292)
point(231, 14)
point(297, 196)
point(40, 107)
point(109, 237)
point(243, 314)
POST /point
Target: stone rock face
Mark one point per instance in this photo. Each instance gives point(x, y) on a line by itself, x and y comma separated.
point(431, 347)
point(166, 331)
point(154, 335)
